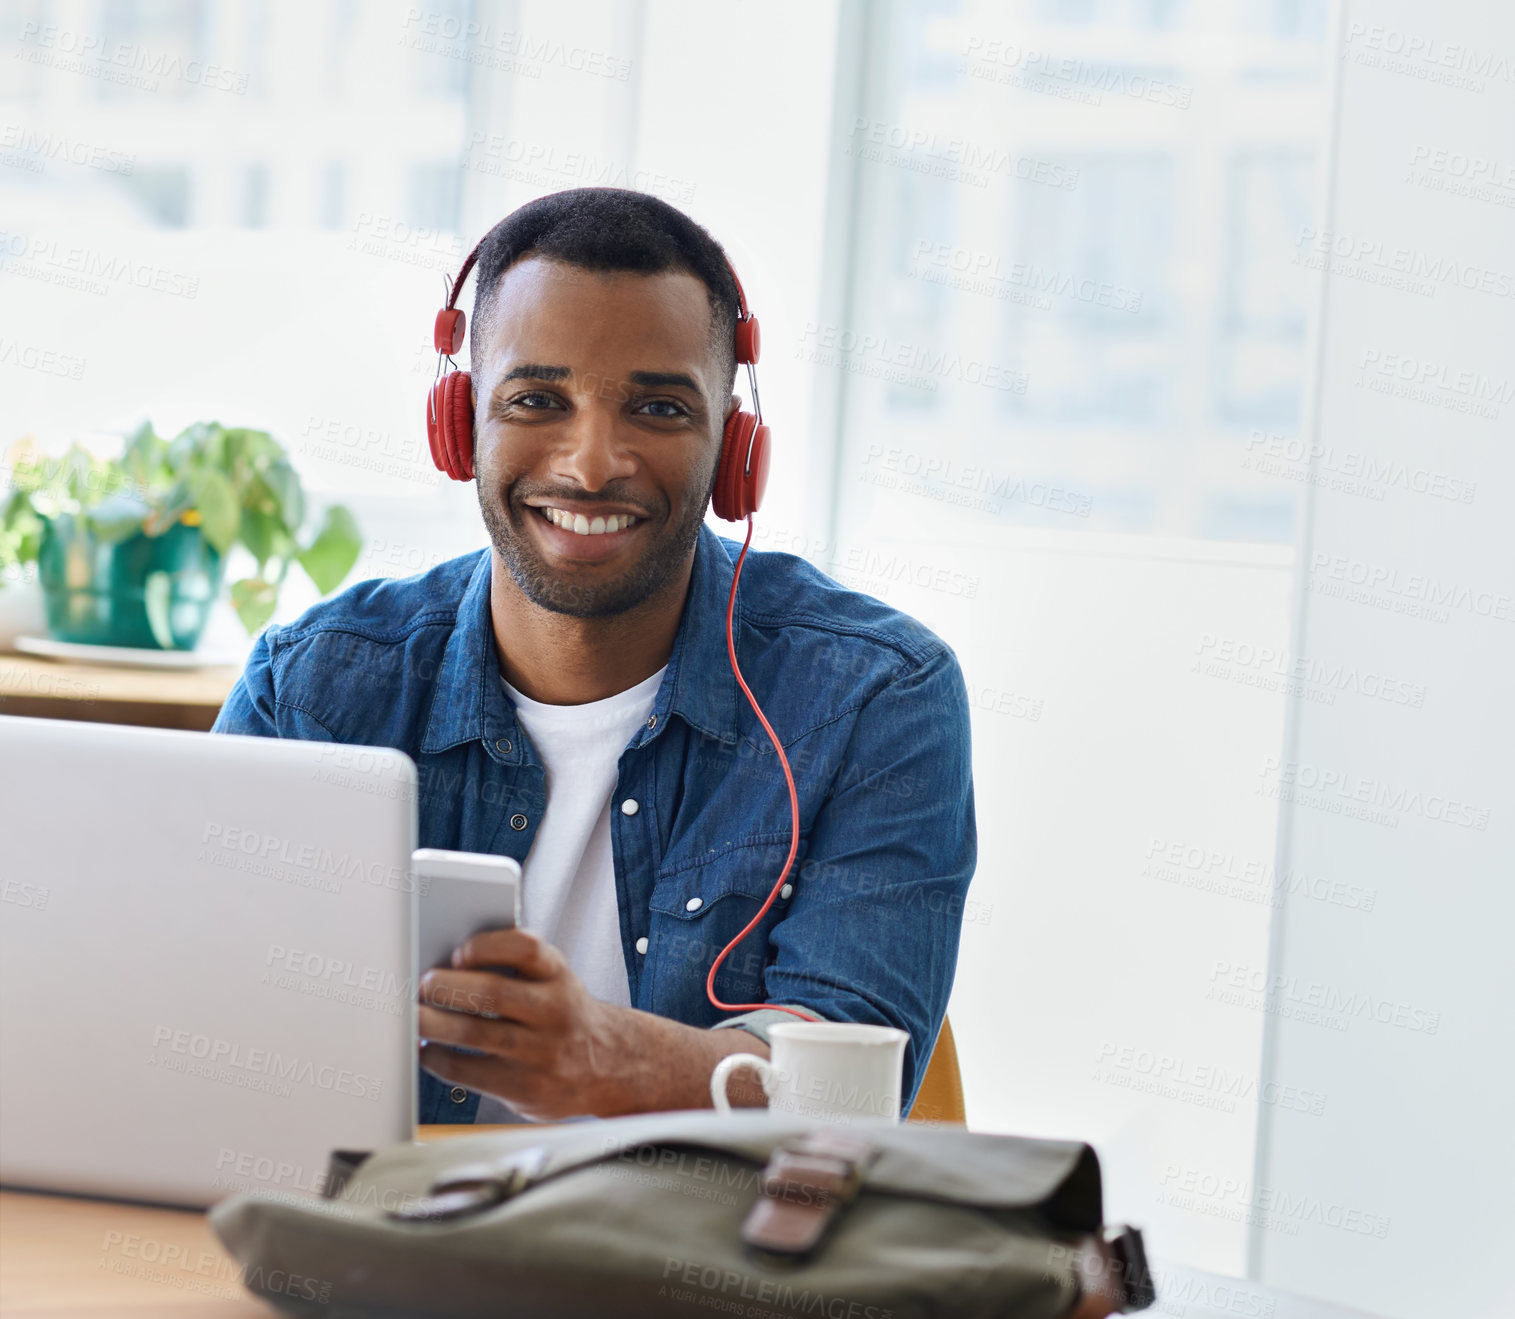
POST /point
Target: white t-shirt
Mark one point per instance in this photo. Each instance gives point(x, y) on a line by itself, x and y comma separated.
point(568, 878)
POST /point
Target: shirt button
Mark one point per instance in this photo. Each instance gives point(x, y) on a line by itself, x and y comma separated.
point(642, 944)
point(629, 806)
point(694, 904)
point(503, 746)
point(652, 721)
point(517, 822)
point(786, 890)
point(457, 1094)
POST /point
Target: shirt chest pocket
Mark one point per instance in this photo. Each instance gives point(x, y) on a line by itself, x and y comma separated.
point(699, 909)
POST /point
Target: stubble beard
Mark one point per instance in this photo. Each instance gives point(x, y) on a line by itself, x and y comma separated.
point(658, 564)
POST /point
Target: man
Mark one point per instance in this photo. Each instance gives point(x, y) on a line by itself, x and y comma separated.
point(568, 701)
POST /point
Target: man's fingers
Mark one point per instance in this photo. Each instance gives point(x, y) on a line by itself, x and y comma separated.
point(483, 994)
point(532, 957)
point(489, 1076)
point(504, 1039)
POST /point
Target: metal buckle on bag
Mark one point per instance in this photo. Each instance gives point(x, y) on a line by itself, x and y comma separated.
point(806, 1185)
point(1113, 1276)
point(474, 1187)
point(340, 1167)
point(1131, 1258)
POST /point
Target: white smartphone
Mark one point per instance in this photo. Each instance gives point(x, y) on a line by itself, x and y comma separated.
point(462, 894)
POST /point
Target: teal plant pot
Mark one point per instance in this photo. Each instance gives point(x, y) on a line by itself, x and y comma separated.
point(152, 592)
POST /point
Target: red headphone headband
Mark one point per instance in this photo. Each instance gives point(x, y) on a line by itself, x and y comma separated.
point(741, 473)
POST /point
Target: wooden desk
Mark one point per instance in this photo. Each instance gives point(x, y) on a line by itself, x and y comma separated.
point(102, 694)
point(67, 1258)
point(63, 1257)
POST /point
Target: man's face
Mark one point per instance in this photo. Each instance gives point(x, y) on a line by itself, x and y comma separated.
point(597, 397)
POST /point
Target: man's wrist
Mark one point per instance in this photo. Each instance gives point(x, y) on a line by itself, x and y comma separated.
point(660, 1064)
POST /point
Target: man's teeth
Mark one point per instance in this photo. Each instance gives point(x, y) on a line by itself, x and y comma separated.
point(577, 522)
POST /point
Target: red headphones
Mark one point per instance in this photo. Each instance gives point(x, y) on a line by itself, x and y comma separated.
point(740, 476)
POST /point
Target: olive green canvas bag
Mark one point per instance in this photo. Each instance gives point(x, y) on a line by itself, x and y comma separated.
point(758, 1214)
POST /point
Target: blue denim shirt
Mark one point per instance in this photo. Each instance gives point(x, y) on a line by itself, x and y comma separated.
point(869, 704)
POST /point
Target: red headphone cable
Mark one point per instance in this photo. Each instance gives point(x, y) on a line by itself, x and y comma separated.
point(794, 812)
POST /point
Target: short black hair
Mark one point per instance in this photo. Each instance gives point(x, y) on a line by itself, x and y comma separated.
point(612, 229)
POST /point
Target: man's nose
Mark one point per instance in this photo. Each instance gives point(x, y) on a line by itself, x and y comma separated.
point(594, 450)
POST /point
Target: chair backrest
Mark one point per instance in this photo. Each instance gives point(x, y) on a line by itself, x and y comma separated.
point(940, 1098)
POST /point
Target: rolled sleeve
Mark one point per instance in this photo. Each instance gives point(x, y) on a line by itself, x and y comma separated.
point(873, 932)
point(763, 1019)
point(250, 706)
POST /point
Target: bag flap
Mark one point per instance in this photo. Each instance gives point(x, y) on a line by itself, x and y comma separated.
point(1058, 1179)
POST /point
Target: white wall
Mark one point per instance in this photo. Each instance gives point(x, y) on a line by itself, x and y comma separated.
point(1399, 1197)
point(1123, 850)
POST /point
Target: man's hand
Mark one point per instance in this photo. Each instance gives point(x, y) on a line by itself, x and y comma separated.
point(552, 1050)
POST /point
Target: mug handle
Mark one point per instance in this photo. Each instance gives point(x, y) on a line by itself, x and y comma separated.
point(729, 1064)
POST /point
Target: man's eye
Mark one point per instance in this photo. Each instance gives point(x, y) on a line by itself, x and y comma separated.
point(675, 409)
point(535, 399)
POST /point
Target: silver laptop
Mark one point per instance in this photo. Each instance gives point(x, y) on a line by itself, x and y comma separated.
point(206, 953)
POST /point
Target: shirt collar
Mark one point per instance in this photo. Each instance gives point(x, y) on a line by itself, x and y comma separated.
point(699, 687)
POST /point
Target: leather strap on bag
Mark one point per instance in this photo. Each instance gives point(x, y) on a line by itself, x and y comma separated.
point(474, 1187)
point(1113, 1276)
point(806, 1185)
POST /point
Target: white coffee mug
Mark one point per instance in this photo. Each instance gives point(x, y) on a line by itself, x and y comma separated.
point(840, 1071)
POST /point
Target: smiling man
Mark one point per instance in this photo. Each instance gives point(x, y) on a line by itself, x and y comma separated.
point(568, 700)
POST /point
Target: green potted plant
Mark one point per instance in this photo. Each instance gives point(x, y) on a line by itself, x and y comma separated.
point(131, 551)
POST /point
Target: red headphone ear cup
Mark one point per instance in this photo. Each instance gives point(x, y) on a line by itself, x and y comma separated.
point(757, 481)
point(738, 493)
point(748, 343)
point(435, 424)
point(457, 410)
point(449, 425)
point(721, 500)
